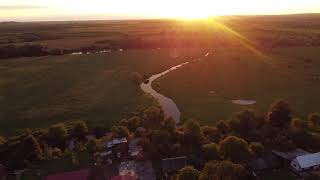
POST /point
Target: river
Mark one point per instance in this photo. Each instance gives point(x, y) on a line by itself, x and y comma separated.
point(169, 107)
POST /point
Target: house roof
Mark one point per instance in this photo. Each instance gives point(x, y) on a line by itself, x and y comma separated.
point(116, 141)
point(309, 160)
point(106, 153)
point(173, 164)
point(74, 175)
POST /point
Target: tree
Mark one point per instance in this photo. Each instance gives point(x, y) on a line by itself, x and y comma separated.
point(299, 123)
point(210, 151)
point(245, 121)
point(282, 142)
point(27, 150)
point(301, 138)
point(211, 133)
point(223, 127)
point(99, 131)
point(268, 133)
point(161, 139)
point(58, 133)
point(224, 170)
point(92, 146)
point(153, 117)
point(314, 118)
point(279, 114)
point(192, 137)
point(192, 132)
point(170, 125)
point(188, 173)
point(133, 123)
point(234, 149)
point(256, 148)
point(2, 140)
point(136, 78)
point(120, 131)
point(31, 148)
point(80, 129)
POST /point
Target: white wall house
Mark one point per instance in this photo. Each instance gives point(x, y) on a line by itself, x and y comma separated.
point(306, 162)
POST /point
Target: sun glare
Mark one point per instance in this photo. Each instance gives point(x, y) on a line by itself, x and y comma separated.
point(187, 9)
point(180, 9)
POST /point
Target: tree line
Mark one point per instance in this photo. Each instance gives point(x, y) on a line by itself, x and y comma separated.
point(217, 152)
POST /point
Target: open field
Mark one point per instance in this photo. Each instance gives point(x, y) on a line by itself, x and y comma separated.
point(204, 89)
point(263, 58)
point(37, 92)
point(266, 31)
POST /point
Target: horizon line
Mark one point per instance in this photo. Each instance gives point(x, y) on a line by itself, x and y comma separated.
point(73, 19)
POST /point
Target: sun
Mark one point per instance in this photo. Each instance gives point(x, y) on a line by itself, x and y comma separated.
point(194, 16)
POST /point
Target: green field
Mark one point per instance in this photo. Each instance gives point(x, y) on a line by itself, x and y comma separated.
point(262, 58)
point(238, 73)
point(37, 92)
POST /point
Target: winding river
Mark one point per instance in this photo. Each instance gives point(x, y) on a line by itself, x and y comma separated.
point(169, 107)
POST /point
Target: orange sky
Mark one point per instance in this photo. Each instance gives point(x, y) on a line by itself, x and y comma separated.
point(123, 9)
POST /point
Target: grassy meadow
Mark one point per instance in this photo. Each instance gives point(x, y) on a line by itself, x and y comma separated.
point(262, 58)
point(37, 92)
point(204, 89)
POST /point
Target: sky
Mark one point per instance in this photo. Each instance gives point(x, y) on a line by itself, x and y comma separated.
point(52, 10)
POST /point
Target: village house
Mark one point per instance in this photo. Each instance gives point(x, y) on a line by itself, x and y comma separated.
point(287, 157)
point(118, 146)
point(135, 150)
point(306, 162)
point(116, 141)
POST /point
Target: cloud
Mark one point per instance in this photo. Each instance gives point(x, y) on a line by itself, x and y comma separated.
point(20, 7)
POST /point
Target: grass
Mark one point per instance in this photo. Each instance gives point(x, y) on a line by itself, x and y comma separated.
point(37, 92)
point(260, 29)
point(237, 73)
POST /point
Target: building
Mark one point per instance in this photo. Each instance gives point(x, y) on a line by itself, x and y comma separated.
point(287, 157)
point(306, 162)
point(119, 147)
point(116, 141)
point(135, 150)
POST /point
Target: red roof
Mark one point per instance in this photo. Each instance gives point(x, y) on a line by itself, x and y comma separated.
point(126, 177)
point(74, 175)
